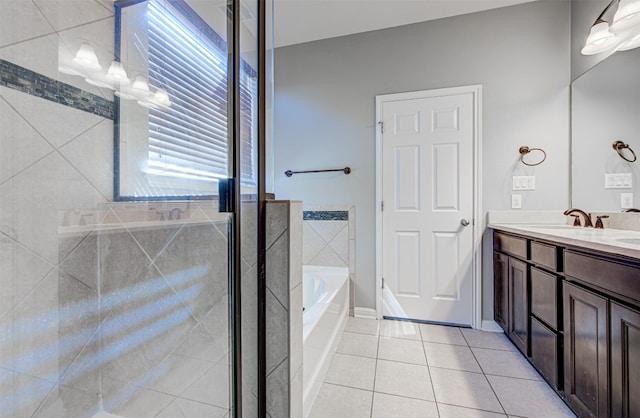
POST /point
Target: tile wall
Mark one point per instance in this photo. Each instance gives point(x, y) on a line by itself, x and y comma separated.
point(284, 308)
point(103, 306)
point(329, 240)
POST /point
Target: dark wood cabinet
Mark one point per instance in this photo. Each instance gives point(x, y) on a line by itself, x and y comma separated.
point(575, 313)
point(545, 346)
point(501, 289)
point(518, 318)
point(586, 371)
point(625, 362)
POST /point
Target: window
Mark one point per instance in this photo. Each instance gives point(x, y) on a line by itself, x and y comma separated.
point(188, 141)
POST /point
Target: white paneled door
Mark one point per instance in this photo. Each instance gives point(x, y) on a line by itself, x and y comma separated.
point(427, 207)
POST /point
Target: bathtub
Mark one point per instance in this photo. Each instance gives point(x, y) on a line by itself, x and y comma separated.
point(326, 304)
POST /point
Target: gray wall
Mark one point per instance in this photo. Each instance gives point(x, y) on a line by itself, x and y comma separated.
point(325, 105)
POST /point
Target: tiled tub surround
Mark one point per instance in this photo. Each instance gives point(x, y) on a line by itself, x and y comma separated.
point(329, 240)
point(284, 308)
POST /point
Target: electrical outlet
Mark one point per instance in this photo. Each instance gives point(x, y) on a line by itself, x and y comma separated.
point(626, 200)
point(516, 201)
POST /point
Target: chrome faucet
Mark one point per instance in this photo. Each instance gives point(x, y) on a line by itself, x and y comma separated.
point(587, 218)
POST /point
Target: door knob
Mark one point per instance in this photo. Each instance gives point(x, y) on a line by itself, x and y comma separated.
point(464, 222)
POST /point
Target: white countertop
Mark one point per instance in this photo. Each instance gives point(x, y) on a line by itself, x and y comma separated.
point(614, 241)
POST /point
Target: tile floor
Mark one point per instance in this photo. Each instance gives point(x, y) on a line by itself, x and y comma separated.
point(386, 369)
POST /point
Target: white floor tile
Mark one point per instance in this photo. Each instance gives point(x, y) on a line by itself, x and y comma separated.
point(447, 356)
point(486, 339)
point(387, 406)
point(528, 398)
point(508, 364)
point(362, 326)
point(400, 329)
point(341, 402)
point(352, 371)
point(403, 379)
point(466, 389)
point(358, 344)
point(397, 349)
point(452, 411)
point(441, 334)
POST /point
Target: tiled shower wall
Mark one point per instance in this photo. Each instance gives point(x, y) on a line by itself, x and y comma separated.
point(55, 169)
point(329, 240)
point(102, 306)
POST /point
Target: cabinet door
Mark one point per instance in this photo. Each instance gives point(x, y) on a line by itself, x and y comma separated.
point(518, 328)
point(544, 351)
point(585, 355)
point(500, 289)
point(625, 362)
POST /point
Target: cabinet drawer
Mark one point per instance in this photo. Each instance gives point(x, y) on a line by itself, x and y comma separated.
point(544, 296)
point(544, 351)
point(544, 255)
point(510, 245)
point(617, 277)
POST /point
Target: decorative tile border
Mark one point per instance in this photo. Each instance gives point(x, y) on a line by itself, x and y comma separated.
point(35, 84)
point(325, 215)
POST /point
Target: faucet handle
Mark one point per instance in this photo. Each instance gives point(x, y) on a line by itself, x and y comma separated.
point(599, 219)
point(576, 220)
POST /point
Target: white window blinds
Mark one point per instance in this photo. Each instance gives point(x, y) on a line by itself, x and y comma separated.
point(189, 139)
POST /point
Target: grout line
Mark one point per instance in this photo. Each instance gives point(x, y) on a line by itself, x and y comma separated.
point(487, 379)
point(375, 370)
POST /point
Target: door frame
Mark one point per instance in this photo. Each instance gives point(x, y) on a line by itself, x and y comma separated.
point(477, 224)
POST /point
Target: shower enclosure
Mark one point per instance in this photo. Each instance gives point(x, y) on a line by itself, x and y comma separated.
point(131, 205)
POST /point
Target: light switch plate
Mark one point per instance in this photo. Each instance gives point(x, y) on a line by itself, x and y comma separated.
point(524, 183)
point(626, 200)
point(516, 201)
point(618, 181)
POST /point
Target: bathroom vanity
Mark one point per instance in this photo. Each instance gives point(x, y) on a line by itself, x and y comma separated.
point(569, 299)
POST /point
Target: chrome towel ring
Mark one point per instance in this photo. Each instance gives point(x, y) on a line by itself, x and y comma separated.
point(524, 150)
point(619, 146)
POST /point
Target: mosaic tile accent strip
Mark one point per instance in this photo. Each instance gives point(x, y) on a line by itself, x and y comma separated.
point(35, 84)
point(325, 215)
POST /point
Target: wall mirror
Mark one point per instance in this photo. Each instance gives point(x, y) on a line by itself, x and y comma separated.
point(605, 107)
point(171, 135)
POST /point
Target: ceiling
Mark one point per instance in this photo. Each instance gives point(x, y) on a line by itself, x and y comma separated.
point(298, 21)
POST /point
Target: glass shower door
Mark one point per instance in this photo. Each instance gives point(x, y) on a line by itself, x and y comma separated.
point(115, 282)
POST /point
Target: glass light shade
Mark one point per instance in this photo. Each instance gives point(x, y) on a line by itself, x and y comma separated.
point(140, 87)
point(627, 16)
point(117, 74)
point(599, 39)
point(162, 98)
point(148, 104)
point(630, 44)
point(87, 58)
point(125, 95)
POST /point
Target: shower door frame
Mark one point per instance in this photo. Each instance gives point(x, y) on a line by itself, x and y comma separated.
point(234, 246)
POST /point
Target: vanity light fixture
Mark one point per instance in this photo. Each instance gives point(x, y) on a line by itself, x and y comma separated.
point(622, 34)
point(117, 74)
point(86, 57)
point(627, 16)
point(140, 87)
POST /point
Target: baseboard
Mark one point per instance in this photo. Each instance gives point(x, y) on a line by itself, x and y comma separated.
point(367, 313)
point(491, 326)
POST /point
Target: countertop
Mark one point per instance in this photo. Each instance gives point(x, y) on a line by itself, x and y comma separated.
point(617, 242)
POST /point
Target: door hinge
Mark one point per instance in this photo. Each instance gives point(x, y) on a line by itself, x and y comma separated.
point(381, 127)
point(383, 282)
point(382, 206)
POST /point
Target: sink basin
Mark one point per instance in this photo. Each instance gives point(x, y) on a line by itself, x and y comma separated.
point(635, 241)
